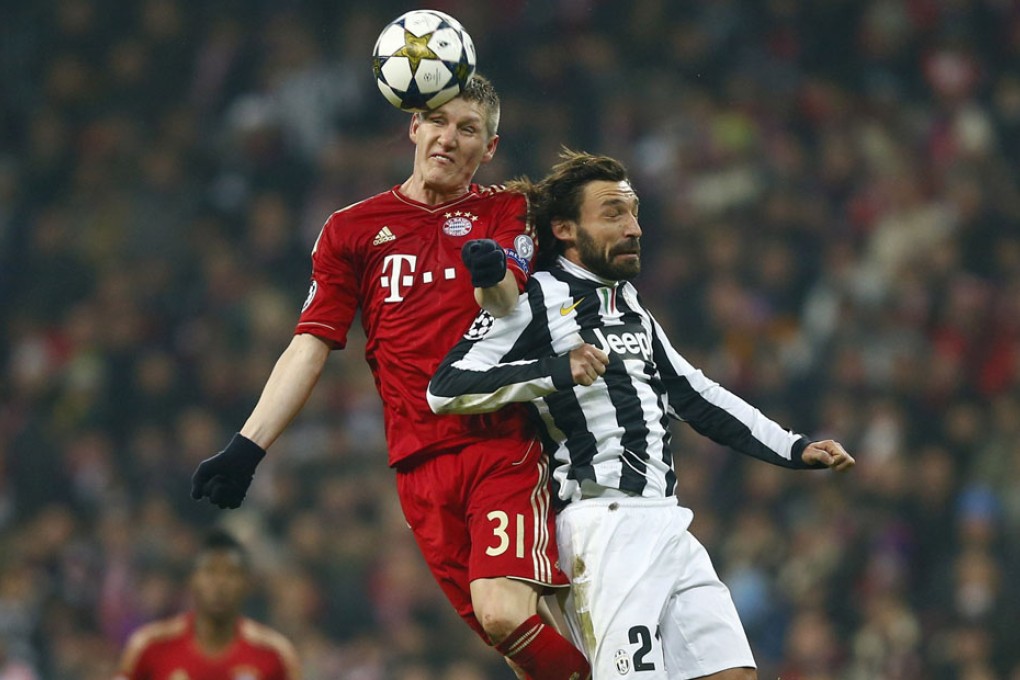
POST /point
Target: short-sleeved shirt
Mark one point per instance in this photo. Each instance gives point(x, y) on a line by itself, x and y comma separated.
point(167, 650)
point(398, 262)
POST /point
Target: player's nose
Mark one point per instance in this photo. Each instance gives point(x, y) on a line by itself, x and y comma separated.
point(632, 229)
point(448, 137)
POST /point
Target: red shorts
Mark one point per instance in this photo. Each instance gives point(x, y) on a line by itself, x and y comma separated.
point(483, 512)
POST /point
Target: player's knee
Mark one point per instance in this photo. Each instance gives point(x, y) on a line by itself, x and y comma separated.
point(501, 606)
point(498, 622)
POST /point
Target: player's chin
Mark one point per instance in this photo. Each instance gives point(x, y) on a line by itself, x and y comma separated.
point(446, 179)
point(626, 266)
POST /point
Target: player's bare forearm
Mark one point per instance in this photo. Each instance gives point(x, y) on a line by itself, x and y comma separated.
point(288, 388)
point(499, 300)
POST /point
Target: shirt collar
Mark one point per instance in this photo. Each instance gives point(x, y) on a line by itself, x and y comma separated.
point(582, 273)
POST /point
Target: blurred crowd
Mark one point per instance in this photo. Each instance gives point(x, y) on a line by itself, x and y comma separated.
point(831, 214)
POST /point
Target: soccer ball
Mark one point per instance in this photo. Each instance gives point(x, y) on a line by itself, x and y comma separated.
point(422, 60)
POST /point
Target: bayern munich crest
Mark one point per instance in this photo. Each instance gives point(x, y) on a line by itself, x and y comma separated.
point(458, 223)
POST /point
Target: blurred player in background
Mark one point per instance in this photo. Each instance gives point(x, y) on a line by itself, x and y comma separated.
point(605, 380)
point(417, 261)
point(212, 641)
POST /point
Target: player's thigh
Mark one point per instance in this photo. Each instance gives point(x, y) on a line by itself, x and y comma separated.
point(432, 507)
point(620, 555)
point(510, 516)
point(701, 631)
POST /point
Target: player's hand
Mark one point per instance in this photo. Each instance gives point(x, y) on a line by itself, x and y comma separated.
point(485, 260)
point(224, 478)
point(829, 453)
point(587, 363)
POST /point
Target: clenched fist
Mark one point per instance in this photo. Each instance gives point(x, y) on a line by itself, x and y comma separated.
point(587, 363)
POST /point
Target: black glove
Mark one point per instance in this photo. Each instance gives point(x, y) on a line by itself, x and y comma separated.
point(225, 477)
point(486, 261)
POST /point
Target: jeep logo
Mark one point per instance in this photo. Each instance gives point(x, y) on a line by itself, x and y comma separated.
point(628, 344)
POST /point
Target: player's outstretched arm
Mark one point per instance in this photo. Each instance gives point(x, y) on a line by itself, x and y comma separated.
point(288, 388)
point(829, 453)
point(225, 477)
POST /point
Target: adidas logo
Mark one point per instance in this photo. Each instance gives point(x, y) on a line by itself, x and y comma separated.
point(384, 236)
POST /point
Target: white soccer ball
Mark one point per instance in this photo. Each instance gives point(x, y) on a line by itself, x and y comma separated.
point(422, 60)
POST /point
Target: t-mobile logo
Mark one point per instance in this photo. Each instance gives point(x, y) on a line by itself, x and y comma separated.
point(399, 275)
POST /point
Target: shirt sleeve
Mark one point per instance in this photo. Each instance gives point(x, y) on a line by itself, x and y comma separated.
point(513, 230)
point(333, 294)
point(720, 415)
point(494, 365)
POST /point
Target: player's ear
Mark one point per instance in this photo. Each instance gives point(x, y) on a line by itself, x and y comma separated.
point(412, 131)
point(564, 230)
point(490, 149)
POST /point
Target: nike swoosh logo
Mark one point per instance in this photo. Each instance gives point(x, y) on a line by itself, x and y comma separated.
point(567, 310)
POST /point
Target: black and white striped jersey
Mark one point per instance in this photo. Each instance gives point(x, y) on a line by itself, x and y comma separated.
point(613, 434)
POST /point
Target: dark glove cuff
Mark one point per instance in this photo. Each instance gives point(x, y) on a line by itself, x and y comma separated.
point(487, 281)
point(244, 450)
point(489, 274)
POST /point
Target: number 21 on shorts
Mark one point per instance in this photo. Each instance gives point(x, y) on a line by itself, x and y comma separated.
point(501, 523)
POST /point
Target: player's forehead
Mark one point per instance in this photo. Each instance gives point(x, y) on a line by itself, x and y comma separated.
point(600, 193)
point(461, 111)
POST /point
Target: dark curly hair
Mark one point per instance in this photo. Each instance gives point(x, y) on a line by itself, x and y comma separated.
point(558, 196)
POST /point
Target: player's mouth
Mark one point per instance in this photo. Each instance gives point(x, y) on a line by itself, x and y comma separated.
point(629, 252)
point(442, 158)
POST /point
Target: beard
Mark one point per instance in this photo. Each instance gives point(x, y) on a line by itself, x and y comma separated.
point(602, 263)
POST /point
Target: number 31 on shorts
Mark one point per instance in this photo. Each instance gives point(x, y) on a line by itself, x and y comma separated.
point(501, 521)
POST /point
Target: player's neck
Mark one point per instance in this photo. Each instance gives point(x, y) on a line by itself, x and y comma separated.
point(416, 189)
point(213, 635)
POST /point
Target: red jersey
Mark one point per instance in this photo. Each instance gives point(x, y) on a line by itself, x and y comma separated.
point(167, 650)
point(398, 262)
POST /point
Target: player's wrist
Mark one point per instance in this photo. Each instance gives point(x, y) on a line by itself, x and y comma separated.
point(242, 449)
point(559, 370)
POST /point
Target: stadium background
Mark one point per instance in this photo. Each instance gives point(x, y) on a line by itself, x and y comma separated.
point(830, 205)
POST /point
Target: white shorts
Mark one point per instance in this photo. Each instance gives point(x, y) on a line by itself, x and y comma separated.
point(645, 600)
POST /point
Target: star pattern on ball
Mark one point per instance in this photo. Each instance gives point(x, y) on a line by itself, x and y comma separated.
point(415, 49)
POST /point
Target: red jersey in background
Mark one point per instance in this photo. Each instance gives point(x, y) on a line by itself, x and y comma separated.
point(167, 650)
